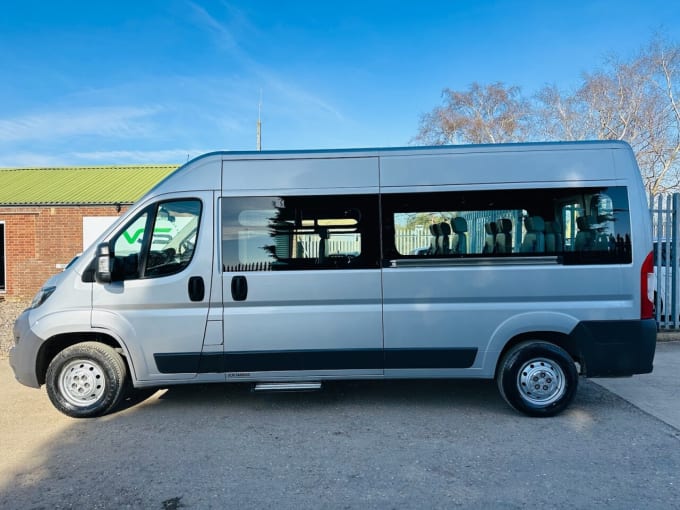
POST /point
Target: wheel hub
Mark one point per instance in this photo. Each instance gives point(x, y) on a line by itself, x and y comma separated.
point(82, 382)
point(541, 381)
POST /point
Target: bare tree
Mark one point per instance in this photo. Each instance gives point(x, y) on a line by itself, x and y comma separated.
point(636, 100)
point(559, 116)
point(482, 114)
point(661, 159)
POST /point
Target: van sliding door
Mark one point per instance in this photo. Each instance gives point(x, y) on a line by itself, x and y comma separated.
point(301, 286)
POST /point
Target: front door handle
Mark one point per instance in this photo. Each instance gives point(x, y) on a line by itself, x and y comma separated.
point(239, 288)
point(196, 288)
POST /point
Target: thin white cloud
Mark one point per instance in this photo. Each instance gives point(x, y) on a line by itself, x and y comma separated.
point(30, 160)
point(114, 122)
point(97, 158)
point(163, 156)
point(301, 99)
point(225, 35)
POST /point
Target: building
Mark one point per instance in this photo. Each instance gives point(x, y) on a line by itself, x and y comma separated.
point(48, 215)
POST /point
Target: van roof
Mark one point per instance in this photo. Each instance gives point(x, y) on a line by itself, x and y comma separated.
point(380, 151)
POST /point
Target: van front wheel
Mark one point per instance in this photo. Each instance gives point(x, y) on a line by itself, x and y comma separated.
point(537, 378)
point(86, 380)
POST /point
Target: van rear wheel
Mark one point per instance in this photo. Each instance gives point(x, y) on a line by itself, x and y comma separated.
point(537, 378)
point(86, 380)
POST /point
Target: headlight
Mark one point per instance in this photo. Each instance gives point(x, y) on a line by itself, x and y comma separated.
point(42, 296)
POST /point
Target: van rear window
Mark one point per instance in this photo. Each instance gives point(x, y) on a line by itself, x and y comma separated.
point(577, 226)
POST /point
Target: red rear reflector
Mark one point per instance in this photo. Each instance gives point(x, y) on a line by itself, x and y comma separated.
point(646, 304)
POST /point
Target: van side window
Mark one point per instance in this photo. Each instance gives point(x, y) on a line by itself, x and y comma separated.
point(160, 241)
point(597, 227)
point(299, 232)
point(575, 225)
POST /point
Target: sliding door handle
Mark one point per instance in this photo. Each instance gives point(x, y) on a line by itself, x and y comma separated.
point(239, 288)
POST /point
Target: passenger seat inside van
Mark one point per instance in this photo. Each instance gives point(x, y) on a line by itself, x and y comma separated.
point(434, 241)
point(443, 242)
point(504, 236)
point(534, 239)
point(323, 244)
point(460, 228)
point(490, 241)
point(585, 237)
point(553, 237)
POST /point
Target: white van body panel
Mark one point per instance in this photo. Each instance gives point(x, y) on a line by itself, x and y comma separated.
point(202, 174)
point(305, 311)
point(62, 322)
point(73, 310)
point(439, 307)
point(298, 173)
point(496, 165)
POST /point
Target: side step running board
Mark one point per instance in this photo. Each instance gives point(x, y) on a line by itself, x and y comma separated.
point(288, 386)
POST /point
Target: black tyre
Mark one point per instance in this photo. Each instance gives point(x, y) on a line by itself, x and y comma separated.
point(537, 378)
point(86, 380)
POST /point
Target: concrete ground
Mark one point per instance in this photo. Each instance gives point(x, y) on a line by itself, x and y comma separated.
point(355, 445)
point(657, 393)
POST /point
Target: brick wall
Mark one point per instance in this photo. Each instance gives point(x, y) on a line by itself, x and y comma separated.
point(39, 238)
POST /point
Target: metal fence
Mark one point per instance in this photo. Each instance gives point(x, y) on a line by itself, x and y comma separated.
point(666, 230)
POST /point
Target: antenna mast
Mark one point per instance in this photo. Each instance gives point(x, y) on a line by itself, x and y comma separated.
point(259, 124)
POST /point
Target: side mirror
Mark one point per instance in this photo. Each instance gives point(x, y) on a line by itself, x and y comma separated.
point(102, 273)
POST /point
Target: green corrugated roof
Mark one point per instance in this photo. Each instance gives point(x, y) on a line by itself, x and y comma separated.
point(79, 185)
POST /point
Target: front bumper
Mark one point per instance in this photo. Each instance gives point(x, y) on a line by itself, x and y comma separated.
point(23, 356)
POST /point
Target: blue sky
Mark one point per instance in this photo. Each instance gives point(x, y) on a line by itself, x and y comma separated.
point(157, 81)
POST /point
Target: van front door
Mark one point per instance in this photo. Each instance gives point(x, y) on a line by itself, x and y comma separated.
point(158, 301)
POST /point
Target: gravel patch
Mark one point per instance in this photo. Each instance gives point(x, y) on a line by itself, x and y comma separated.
point(9, 311)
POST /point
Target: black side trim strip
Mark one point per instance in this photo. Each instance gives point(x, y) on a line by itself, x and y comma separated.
point(178, 363)
point(358, 359)
point(430, 358)
point(363, 359)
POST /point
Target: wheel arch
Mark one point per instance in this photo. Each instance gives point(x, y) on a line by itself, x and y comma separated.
point(54, 345)
point(552, 327)
point(554, 337)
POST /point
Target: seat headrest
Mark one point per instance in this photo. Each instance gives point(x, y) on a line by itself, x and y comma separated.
point(504, 225)
point(491, 228)
point(553, 227)
point(585, 222)
point(460, 225)
point(444, 228)
point(434, 229)
point(534, 224)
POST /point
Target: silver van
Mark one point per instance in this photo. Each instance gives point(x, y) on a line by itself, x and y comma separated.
point(525, 263)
